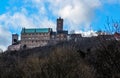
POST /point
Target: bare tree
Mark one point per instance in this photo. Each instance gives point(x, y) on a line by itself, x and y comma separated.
point(112, 25)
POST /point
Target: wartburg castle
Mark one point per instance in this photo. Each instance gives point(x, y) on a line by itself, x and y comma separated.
point(36, 37)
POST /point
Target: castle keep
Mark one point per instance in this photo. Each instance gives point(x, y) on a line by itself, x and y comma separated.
point(36, 37)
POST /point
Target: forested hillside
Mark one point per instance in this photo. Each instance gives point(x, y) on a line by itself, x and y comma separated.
point(81, 59)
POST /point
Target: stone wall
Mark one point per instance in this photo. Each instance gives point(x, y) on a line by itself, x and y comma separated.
point(35, 39)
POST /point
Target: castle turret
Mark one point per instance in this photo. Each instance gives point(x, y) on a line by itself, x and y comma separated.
point(59, 24)
point(14, 38)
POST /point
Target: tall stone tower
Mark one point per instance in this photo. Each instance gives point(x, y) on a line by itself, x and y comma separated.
point(14, 38)
point(59, 24)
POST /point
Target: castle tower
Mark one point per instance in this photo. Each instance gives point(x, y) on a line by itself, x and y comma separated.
point(59, 24)
point(14, 38)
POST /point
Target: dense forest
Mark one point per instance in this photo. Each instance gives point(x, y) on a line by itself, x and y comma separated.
point(87, 58)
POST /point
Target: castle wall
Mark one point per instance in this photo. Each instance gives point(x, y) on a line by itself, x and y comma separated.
point(14, 47)
point(61, 37)
point(35, 39)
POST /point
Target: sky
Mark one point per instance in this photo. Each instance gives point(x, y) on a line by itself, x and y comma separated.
point(82, 16)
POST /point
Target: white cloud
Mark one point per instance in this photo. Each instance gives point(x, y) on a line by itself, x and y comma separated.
point(75, 12)
point(87, 33)
point(15, 21)
point(48, 24)
point(5, 38)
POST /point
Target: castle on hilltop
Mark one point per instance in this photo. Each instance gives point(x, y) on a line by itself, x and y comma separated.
point(36, 37)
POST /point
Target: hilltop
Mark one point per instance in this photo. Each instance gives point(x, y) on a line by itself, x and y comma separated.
point(88, 58)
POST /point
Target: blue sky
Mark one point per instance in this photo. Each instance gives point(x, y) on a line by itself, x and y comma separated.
point(82, 16)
